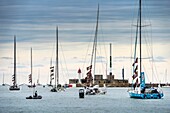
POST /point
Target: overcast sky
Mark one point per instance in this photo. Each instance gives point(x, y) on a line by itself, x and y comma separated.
point(34, 24)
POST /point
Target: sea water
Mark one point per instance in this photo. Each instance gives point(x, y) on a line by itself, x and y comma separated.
point(115, 101)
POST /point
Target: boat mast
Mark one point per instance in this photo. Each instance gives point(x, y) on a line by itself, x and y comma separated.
point(95, 45)
point(14, 77)
point(110, 77)
point(31, 68)
point(56, 74)
point(140, 40)
point(38, 76)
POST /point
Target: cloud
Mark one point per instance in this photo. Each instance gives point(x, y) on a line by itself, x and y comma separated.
point(6, 58)
point(39, 65)
point(159, 59)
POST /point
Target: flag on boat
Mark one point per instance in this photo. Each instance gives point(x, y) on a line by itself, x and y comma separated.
point(89, 73)
point(136, 61)
point(90, 67)
point(30, 78)
point(136, 83)
point(52, 69)
point(52, 74)
point(13, 77)
point(135, 66)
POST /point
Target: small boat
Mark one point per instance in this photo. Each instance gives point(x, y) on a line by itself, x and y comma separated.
point(14, 87)
point(33, 97)
point(32, 86)
point(95, 90)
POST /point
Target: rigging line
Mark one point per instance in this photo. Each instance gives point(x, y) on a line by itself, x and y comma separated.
point(103, 41)
point(136, 38)
point(53, 49)
point(63, 57)
point(87, 50)
point(85, 59)
point(132, 21)
point(103, 65)
point(155, 70)
point(146, 74)
point(136, 4)
point(151, 43)
point(95, 39)
point(63, 72)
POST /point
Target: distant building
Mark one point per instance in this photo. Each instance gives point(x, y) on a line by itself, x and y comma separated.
point(98, 80)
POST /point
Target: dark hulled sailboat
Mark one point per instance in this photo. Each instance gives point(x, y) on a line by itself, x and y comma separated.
point(30, 75)
point(55, 87)
point(14, 79)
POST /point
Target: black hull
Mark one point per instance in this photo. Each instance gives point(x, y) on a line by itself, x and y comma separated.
point(12, 88)
point(50, 85)
point(54, 90)
point(38, 97)
point(31, 86)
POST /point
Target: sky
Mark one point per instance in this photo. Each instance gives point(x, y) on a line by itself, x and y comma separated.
point(34, 24)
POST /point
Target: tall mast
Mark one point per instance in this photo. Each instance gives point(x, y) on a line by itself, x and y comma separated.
point(110, 60)
point(14, 82)
point(51, 72)
point(95, 44)
point(56, 74)
point(140, 40)
point(31, 66)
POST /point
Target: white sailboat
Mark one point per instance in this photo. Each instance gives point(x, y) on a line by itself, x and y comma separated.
point(90, 89)
point(57, 87)
point(14, 77)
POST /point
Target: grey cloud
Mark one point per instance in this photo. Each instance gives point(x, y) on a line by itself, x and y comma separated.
point(6, 58)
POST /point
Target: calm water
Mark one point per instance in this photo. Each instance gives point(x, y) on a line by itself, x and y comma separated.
point(115, 101)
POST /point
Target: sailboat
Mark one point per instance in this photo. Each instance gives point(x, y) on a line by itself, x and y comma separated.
point(35, 95)
point(90, 89)
point(14, 79)
point(139, 90)
point(30, 75)
point(57, 87)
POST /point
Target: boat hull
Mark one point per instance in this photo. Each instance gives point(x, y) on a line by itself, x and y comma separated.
point(146, 96)
point(32, 97)
point(31, 86)
point(12, 88)
point(54, 90)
